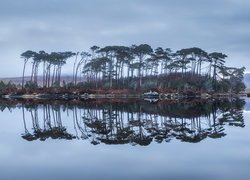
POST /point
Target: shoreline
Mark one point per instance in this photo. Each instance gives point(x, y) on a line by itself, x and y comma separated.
point(85, 96)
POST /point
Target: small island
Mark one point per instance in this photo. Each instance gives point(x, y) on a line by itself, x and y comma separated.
point(126, 72)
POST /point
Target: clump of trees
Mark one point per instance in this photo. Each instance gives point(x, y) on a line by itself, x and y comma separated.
point(51, 64)
point(138, 67)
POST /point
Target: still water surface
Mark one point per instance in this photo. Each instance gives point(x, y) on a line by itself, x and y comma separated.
point(125, 140)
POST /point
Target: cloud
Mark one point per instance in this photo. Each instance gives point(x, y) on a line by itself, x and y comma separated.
point(58, 25)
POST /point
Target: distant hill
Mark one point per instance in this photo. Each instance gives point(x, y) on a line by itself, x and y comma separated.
point(15, 80)
point(18, 80)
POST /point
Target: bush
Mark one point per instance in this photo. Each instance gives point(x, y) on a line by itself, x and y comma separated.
point(31, 85)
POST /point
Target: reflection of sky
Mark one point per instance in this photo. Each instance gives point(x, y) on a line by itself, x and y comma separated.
point(226, 158)
point(247, 106)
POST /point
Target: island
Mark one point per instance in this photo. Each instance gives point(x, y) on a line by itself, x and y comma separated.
point(126, 72)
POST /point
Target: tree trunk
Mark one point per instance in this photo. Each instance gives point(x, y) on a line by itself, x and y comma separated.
point(24, 67)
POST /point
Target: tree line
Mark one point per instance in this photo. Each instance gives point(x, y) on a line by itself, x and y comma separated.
point(136, 67)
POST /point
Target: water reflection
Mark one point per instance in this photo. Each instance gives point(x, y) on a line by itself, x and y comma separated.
point(128, 121)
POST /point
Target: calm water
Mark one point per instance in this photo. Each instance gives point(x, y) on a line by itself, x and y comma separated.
point(125, 140)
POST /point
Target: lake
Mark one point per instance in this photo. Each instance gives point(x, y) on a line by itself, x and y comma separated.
point(125, 139)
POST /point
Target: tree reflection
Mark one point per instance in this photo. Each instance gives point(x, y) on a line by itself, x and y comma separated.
point(52, 125)
point(129, 122)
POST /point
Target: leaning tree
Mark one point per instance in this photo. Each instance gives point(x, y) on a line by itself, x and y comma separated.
point(26, 56)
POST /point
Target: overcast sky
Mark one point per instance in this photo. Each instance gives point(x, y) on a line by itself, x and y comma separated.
point(61, 25)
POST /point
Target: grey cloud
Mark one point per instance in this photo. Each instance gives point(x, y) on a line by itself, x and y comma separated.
point(55, 25)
